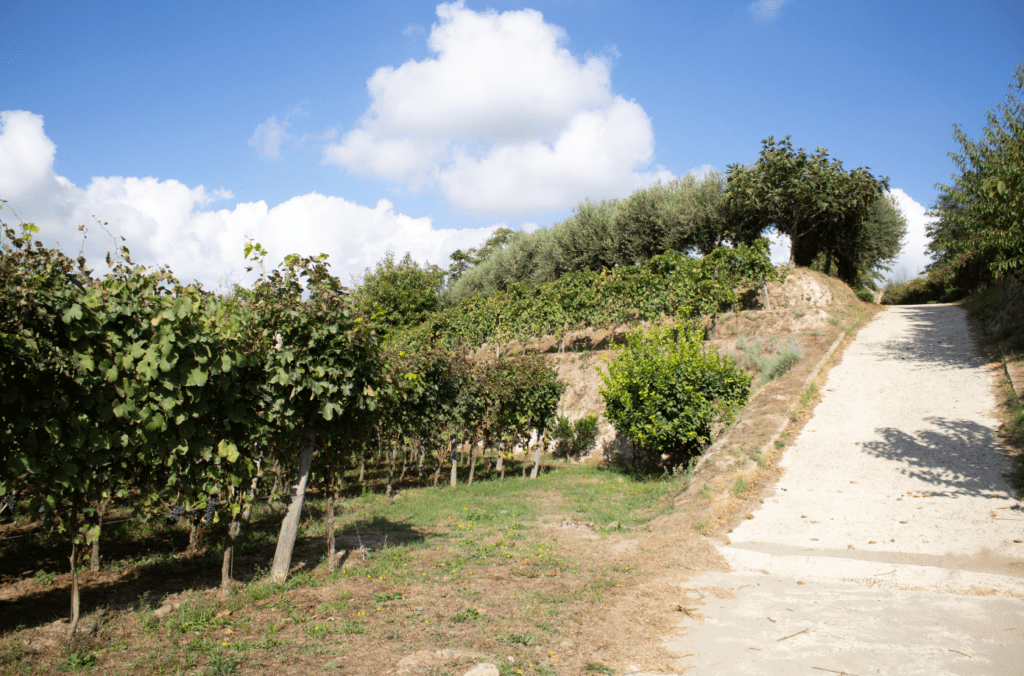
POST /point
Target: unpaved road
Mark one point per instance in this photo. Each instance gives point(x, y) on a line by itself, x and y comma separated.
point(892, 543)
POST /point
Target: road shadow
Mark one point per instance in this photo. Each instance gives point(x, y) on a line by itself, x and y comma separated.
point(960, 457)
point(934, 338)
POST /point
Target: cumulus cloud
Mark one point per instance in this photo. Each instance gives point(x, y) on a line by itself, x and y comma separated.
point(167, 222)
point(767, 10)
point(914, 257)
point(503, 119)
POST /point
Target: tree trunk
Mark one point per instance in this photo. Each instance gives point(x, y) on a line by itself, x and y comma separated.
point(94, 557)
point(501, 464)
point(422, 461)
point(472, 463)
point(362, 467)
point(391, 470)
point(331, 544)
point(455, 466)
point(290, 524)
point(538, 454)
point(237, 530)
point(228, 563)
point(405, 462)
point(75, 597)
point(196, 538)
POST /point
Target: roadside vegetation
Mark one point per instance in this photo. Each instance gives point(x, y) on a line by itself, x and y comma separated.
point(978, 235)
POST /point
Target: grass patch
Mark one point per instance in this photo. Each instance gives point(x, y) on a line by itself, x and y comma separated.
point(438, 566)
point(770, 359)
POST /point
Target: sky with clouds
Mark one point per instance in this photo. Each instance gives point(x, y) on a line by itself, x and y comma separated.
point(360, 128)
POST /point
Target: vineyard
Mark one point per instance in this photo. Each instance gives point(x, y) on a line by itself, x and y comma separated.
point(132, 394)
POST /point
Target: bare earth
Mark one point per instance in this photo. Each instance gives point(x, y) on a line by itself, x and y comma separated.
point(892, 544)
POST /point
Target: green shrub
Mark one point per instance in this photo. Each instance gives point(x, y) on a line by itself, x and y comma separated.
point(573, 439)
point(664, 390)
point(866, 295)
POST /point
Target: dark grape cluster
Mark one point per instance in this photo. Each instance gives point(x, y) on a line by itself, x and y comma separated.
point(177, 512)
point(211, 507)
point(8, 503)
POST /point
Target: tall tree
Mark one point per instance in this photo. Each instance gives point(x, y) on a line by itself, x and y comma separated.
point(401, 293)
point(981, 214)
point(810, 198)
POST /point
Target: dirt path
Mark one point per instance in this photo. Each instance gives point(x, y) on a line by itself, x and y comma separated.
point(892, 543)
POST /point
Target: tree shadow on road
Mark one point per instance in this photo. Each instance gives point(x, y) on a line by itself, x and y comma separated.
point(957, 457)
point(934, 338)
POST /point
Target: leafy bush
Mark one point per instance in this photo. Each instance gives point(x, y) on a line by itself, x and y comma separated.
point(574, 438)
point(664, 390)
point(866, 295)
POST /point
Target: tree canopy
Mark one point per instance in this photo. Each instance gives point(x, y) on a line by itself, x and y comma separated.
point(823, 208)
point(980, 215)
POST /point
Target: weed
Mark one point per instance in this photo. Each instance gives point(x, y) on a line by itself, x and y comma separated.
point(739, 486)
point(76, 661)
point(466, 615)
point(703, 526)
point(147, 618)
point(834, 321)
point(43, 578)
point(704, 493)
point(221, 665)
point(808, 394)
point(520, 639)
point(197, 613)
point(597, 668)
point(353, 627)
point(779, 443)
point(317, 630)
point(384, 597)
point(793, 416)
point(784, 359)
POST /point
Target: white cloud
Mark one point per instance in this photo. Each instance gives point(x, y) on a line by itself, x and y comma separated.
point(26, 154)
point(767, 10)
point(914, 257)
point(503, 120)
point(167, 222)
point(269, 136)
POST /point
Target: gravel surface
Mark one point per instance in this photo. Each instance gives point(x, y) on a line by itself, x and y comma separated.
point(893, 543)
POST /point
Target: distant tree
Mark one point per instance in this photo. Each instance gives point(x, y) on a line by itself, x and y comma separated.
point(463, 261)
point(821, 207)
point(981, 214)
point(398, 294)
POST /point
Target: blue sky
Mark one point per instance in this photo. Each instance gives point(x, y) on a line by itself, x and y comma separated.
point(357, 128)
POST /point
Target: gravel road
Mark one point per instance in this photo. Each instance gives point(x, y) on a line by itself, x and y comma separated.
point(892, 543)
